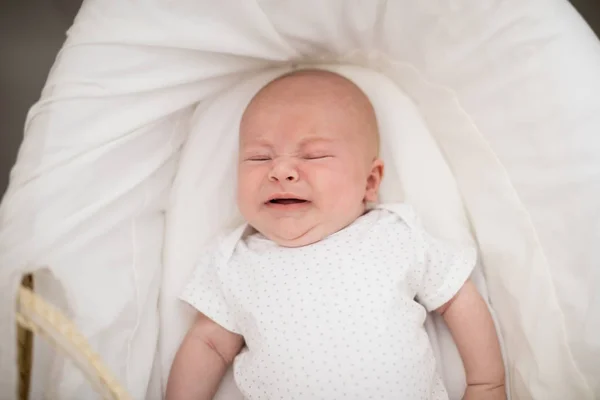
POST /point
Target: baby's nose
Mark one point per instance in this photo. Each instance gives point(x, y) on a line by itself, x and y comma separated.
point(283, 170)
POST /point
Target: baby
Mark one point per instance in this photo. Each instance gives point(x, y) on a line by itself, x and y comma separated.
point(323, 296)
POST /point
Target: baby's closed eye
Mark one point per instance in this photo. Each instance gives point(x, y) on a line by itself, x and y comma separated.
point(317, 156)
point(258, 158)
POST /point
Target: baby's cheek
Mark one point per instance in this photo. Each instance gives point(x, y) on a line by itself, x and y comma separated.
point(248, 186)
point(339, 187)
point(249, 177)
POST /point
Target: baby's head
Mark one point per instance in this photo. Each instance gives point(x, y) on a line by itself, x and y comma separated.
point(308, 160)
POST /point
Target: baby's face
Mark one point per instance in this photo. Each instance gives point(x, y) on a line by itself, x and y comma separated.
point(307, 160)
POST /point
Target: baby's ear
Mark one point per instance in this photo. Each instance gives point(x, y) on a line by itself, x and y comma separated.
point(373, 181)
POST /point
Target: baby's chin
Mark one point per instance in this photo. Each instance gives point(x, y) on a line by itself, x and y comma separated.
point(302, 231)
point(293, 234)
point(290, 238)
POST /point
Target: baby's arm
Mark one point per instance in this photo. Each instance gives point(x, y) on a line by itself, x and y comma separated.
point(472, 328)
point(203, 358)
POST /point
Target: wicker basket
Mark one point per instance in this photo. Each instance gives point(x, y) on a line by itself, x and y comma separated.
point(37, 316)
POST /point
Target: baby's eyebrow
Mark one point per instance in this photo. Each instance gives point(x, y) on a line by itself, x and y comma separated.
point(256, 143)
point(315, 139)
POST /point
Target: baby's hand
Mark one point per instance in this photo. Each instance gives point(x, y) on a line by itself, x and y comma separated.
point(485, 392)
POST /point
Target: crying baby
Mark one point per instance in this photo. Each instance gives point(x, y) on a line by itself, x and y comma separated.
point(325, 294)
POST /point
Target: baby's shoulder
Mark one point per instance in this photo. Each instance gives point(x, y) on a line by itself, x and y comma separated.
point(397, 215)
point(222, 246)
point(396, 225)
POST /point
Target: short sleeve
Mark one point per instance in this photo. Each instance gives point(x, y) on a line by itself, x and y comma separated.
point(446, 268)
point(205, 291)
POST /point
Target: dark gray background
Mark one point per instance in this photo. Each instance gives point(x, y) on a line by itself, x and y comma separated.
point(32, 31)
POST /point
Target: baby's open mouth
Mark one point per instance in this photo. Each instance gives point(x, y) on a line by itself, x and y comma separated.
point(287, 201)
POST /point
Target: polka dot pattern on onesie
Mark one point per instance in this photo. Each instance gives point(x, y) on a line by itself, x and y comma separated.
point(337, 319)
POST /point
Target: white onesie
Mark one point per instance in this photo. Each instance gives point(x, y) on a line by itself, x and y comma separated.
point(339, 319)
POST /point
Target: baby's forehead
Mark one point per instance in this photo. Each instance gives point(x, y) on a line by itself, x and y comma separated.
point(300, 126)
point(299, 141)
point(325, 99)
